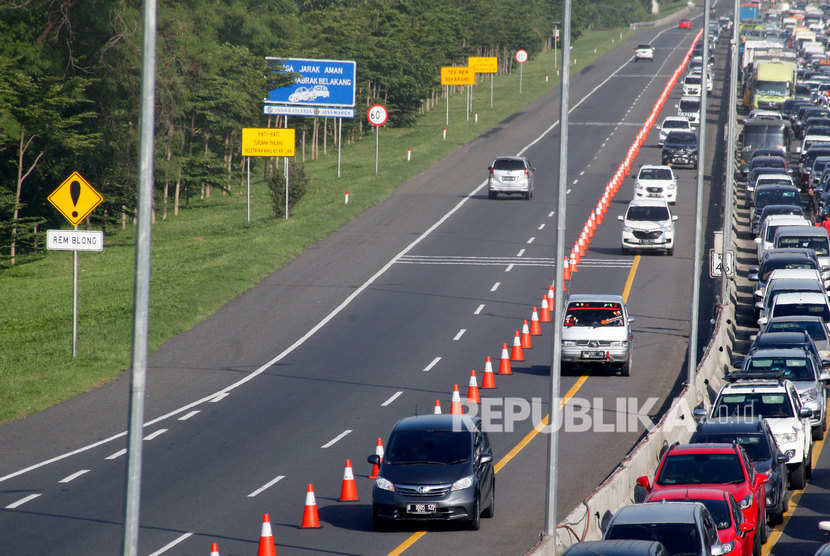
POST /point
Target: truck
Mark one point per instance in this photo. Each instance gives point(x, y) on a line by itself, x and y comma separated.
point(771, 84)
point(750, 10)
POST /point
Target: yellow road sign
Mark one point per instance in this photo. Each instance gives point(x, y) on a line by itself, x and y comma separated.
point(451, 75)
point(488, 64)
point(75, 198)
point(267, 141)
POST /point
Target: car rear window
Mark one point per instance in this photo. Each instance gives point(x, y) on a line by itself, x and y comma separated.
point(755, 444)
point(792, 309)
point(817, 244)
point(508, 164)
point(794, 368)
point(813, 328)
point(678, 538)
point(594, 314)
point(675, 124)
point(751, 405)
point(689, 105)
point(690, 469)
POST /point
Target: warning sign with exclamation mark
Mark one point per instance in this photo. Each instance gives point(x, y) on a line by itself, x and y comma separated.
point(75, 198)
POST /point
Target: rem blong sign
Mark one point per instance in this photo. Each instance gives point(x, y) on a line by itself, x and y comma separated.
point(320, 83)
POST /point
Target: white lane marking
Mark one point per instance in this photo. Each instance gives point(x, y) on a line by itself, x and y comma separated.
point(479, 309)
point(551, 213)
point(495, 286)
point(509, 268)
point(73, 476)
point(460, 333)
point(331, 442)
point(576, 181)
point(391, 399)
point(531, 240)
point(217, 398)
point(434, 362)
point(541, 227)
point(568, 192)
point(156, 434)
point(522, 251)
point(189, 415)
point(267, 485)
point(170, 545)
point(22, 501)
point(117, 454)
point(332, 314)
point(582, 173)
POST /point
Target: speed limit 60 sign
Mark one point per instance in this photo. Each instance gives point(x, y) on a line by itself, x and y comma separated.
point(377, 115)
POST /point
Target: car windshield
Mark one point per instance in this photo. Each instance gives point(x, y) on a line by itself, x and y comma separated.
point(772, 228)
point(755, 444)
point(774, 265)
point(794, 368)
point(675, 124)
point(812, 327)
point(689, 105)
point(692, 469)
point(409, 447)
point(692, 80)
point(750, 405)
point(772, 88)
point(681, 138)
point(817, 244)
point(655, 174)
point(594, 314)
point(647, 214)
point(678, 538)
point(508, 164)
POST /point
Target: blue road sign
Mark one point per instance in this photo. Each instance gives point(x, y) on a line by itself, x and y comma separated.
point(322, 83)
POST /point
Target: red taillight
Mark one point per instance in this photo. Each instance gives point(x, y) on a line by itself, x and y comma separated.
point(527, 173)
point(491, 171)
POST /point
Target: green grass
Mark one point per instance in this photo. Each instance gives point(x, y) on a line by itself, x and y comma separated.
point(209, 254)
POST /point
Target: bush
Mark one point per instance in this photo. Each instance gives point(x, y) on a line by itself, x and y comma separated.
point(298, 182)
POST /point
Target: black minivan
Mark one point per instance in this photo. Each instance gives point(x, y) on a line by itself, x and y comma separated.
point(435, 468)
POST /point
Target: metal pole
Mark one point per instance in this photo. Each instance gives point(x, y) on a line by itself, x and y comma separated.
point(141, 301)
point(447, 91)
point(468, 102)
point(249, 189)
point(730, 153)
point(696, 258)
point(286, 176)
point(521, 71)
point(491, 90)
point(377, 141)
point(558, 301)
point(339, 142)
point(75, 304)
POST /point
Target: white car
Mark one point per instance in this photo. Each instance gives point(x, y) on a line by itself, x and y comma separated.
point(597, 332)
point(798, 303)
point(765, 239)
point(648, 224)
point(656, 182)
point(691, 85)
point(644, 52)
point(778, 402)
point(689, 107)
point(672, 123)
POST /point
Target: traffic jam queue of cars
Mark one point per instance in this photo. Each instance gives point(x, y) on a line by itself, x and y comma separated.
point(722, 491)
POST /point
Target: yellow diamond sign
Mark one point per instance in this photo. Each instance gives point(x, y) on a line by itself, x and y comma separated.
point(75, 198)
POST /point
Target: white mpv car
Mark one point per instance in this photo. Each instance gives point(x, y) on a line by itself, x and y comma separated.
point(648, 224)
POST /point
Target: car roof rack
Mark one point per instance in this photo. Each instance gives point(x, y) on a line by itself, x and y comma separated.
point(756, 376)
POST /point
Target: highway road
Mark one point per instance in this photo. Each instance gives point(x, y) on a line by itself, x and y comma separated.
point(376, 322)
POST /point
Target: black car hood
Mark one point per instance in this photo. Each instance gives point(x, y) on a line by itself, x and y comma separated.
point(762, 465)
point(418, 474)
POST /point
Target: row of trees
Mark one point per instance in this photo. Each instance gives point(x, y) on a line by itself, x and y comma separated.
point(70, 83)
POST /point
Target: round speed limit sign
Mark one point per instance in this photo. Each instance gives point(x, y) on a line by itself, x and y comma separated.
point(377, 115)
point(521, 56)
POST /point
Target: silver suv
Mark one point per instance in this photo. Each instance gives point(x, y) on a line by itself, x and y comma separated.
point(511, 175)
point(597, 331)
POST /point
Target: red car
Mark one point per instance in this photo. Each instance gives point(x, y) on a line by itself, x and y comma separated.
point(716, 466)
point(684, 24)
point(733, 531)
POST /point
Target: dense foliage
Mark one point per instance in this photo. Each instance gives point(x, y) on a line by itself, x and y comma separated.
point(70, 85)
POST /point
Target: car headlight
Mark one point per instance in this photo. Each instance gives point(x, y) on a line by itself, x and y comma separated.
point(728, 547)
point(809, 395)
point(383, 484)
point(463, 483)
point(824, 354)
point(569, 343)
point(638, 185)
point(746, 502)
point(665, 227)
point(628, 229)
point(786, 437)
point(672, 186)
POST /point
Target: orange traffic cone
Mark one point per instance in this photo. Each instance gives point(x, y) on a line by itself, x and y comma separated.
point(310, 518)
point(504, 363)
point(517, 354)
point(489, 379)
point(266, 539)
point(525, 335)
point(535, 329)
point(379, 453)
point(437, 410)
point(544, 313)
point(348, 492)
point(472, 390)
point(455, 405)
point(214, 549)
point(567, 268)
point(551, 294)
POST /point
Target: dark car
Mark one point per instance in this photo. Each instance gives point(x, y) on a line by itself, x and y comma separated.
point(435, 468)
point(815, 326)
point(757, 439)
point(753, 176)
point(790, 107)
point(769, 151)
point(617, 547)
point(769, 210)
point(680, 147)
point(784, 340)
point(772, 195)
point(682, 527)
point(808, 157)
point(767, 162)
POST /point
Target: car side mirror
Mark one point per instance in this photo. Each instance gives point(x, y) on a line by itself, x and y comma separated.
point(761, 478)
point(621, 218)
point(805, 412)
point(374, 459)
point(757, 240)
point(738, 362)
point(699, 413)
point(489, 168)
point(674, 218)
point(752, 276)
point(631, 319)
point(486, 458)
point(782, 458)
point(824, 376)
point(643, 482)
point(746, 527)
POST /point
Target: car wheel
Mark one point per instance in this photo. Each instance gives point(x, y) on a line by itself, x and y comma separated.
point(818, 432)
point(808, 469)
point(625, 369)
point(475, 520)
point(756, 545)
point(670, 251)
point(491, 507)
point(797, 478)
point(762, 528)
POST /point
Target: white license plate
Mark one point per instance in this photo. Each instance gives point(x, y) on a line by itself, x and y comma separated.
point(593, 355)
point(509, 178)
point(421, 508)
point(655, 195)
point(647, 242)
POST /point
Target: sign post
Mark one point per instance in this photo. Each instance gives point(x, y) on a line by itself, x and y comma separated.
point(377, 116)
point(75, 198)
point(521, 57)
point(266, 142)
